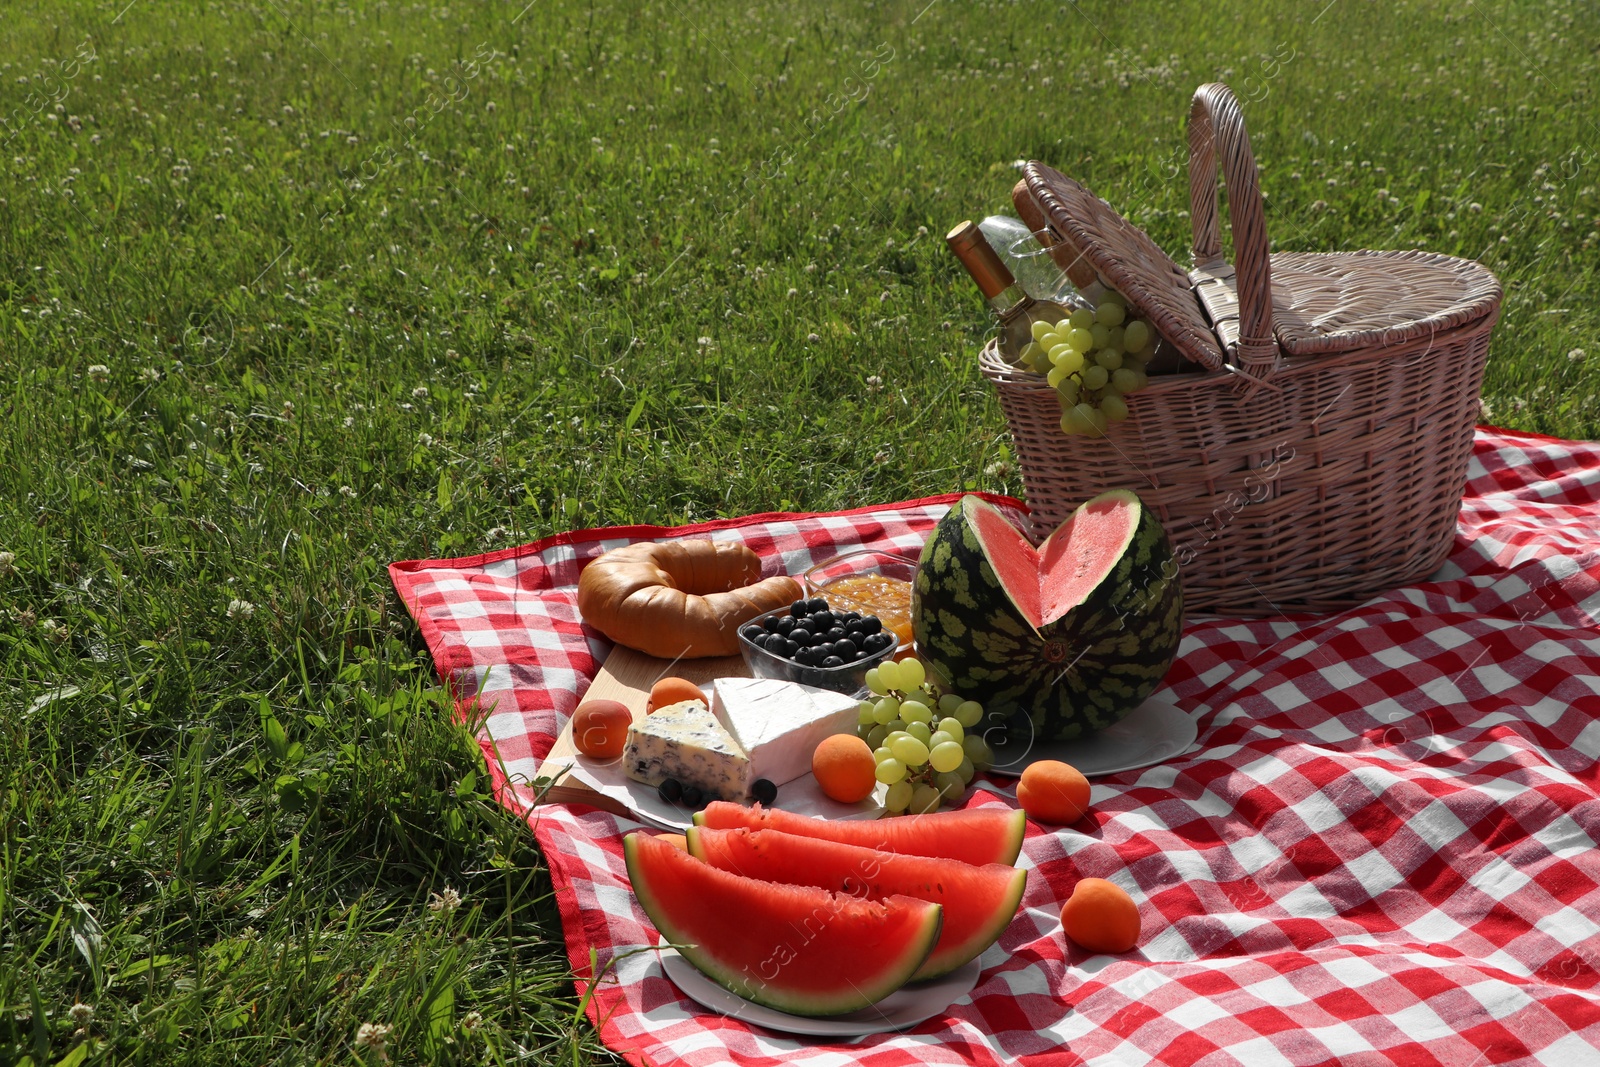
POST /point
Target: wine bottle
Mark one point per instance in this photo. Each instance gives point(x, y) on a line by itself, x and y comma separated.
point(1028, 259)
point(1015, 310)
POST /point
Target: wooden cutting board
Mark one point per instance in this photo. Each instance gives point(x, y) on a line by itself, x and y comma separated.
point(626, 676)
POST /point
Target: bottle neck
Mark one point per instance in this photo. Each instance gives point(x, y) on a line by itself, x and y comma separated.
point(1010, 302)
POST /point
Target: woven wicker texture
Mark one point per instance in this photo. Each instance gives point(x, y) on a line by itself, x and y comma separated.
point(1127, 259)
point(1337, 470)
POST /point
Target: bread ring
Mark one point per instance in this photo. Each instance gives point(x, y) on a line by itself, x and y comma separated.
point(679, 598)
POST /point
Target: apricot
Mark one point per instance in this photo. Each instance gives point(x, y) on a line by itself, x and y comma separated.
point(669, 691)
point(844, 768)
point(1054, 792)
point(1100, 916)
point(600, 728)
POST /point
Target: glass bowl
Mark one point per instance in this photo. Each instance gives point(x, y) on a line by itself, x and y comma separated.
point(833, 579)
point(849, 678)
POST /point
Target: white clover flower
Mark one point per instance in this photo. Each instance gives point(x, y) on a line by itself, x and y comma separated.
point(874, 384)
point(703, 342)
point(82, 1014)
point(99, 371)
point(1576, 355)
point(345, 490)
point(444, 903)
point(374, 1036)
point(420, 392)
point(471, 1021)
point(813, 337)
point(7, 561)
point(149, 374)
point(240, 609)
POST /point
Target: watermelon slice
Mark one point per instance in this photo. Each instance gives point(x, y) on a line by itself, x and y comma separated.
point(976, 835)
point(798, 949)
point(978, 902)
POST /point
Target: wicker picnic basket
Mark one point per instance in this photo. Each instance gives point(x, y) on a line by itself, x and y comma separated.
point(1320, 455)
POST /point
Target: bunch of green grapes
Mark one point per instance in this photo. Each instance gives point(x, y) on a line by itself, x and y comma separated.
point(919, 737)
point(1092, 359)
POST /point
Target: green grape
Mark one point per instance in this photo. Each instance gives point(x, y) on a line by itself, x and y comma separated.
point(882, 752)
point(895, 726)
point(1062, 326)
point(1068, 392)
point(909, 751)
point(864, 714)
point(886, 709)
point(967, 771)
point(1124, 379)
point(1081, 318)
point(1080, 338)
point(1114, 407)
point(1143, 379)
point(894, 735)
point(899, 796)
point(889, 674)
point(949, 703)
point(915, 711)
point(949, 785)
point(912, 673)
point(1069, 421)
point(874, 682)
point(925, 799)
point(1109, 358)
point(946, 757)
point(1084, 414)
point(1055, 377)
point(1101, 334)
point(920, 730)
point(977, 750)
point(876, 736)
point(1040, 328)
point(1114, 339)
point(1095, 377)
point(1136, 334)
point(953, 727)
point(968, 714)
point(1100, 421)
point(1110, 313)
point(1113, 297)
point(891, 771)
point(939, 737)
point(1071, 361)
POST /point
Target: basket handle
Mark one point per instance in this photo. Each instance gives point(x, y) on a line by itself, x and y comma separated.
point(1215, 116)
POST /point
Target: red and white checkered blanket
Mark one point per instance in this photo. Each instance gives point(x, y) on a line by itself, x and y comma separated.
point(1381, 851)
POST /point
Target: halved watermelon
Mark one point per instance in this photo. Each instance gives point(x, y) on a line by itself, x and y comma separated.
point(976, 835)
point(978, 902)
point(794, 948)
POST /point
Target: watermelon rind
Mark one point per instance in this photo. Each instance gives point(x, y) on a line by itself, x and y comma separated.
point(753, 937)
point(971, 835)
point(870, 874)
point(1066, 678)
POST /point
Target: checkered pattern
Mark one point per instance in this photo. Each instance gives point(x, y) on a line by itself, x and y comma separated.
point(1383, 850)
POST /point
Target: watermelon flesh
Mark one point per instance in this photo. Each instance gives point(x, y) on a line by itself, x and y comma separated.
point(978, 902)
point(1047, 582)
point(798, 949)
point(975, 835)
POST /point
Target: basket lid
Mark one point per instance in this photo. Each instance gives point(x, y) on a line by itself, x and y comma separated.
point(1128, 260)
point(1330, 302)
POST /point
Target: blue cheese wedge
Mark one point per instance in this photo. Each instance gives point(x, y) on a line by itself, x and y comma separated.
point(685, 741)
point(779, 724)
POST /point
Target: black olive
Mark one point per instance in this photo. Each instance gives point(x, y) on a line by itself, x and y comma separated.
point(816, 604)
point(845, 649)
point(692, 796)
point(833, 661)
point(670, 790)
point(763, 791)
point(785, 624)
point(798, 609)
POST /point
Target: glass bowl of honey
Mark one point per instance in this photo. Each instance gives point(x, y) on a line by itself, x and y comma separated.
point(871, 581)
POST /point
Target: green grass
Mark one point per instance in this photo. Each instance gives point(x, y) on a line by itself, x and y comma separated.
point(380, 280)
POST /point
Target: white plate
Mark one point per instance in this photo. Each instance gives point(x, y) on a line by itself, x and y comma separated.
point(906, 1007)
point(802, 796)
point(1153, 732)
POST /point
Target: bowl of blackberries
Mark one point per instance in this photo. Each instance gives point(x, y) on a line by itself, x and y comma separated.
point(811, 643)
